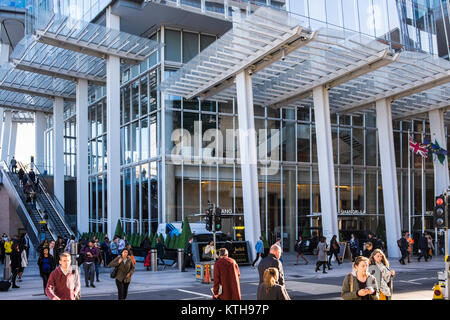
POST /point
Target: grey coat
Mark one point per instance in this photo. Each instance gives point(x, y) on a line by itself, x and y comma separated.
point(322, 252)
point(125, 267)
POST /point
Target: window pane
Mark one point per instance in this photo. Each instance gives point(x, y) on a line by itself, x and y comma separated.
point(144, 96)
point(173, 45)
point(190, 45)
point(205, 41)
point(135, 100)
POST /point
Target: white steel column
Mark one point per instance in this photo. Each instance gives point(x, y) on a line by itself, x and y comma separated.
point(82, 156)
point(249, 169)
point(389, 177)
point(39, 139)
point(325, 162)
point(113, 130)
point(12, 140)
point(58, 149)
point(437, 130)
point(6, 135)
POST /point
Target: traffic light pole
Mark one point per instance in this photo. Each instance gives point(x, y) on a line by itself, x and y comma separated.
point(214, 231)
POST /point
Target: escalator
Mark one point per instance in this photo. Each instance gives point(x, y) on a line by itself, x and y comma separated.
point(45, 206)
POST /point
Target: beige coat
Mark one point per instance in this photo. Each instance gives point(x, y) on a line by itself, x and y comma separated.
point(125, 267)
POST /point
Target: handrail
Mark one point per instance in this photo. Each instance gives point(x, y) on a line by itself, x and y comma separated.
point(50, 199)
point(30, 221)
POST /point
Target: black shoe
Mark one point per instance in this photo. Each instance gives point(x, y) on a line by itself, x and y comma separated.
point(317, 269)
point(98, 280)
point(92, 285)
point(87, 286)
point(324, 272)
point(15, 287)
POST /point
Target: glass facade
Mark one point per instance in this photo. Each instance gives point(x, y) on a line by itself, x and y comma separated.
point(178, 154)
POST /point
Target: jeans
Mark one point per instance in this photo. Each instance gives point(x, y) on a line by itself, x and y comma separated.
point(89, 270)
point(122, 288)
point(258, 255)
point(97, 270)
point(45, 277)
point(15, 272)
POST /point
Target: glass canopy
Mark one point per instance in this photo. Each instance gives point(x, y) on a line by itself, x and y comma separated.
point(35, 84)
point(25, 102)
point(358, 70)
point(33, 56)
point(92, 39)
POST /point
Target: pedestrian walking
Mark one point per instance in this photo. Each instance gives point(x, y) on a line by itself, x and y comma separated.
point(380, 265)
point(270, 289)
point(59, 248)
point(90, 252)
point(98, 259)
point(124, 269)
point(430, 246)
point(160, 251)
point(130, 253)
point(354, 246)
point(44, 244)
point(15, 263)
point(46, 263)
point(272, 260)
point(121, 244)
point(20, 174)
point(114, 247)
point(8, 246)
point(64, 281)
point(226, 278)
point(322, 256)
point(423, 247)
point(410, 246)
point(188, 256)
point(32, 175)
point(229, 245)
point(209, 253)
point(146, 244)
point(52, 248)
point(368, 249)
point(334, 250)
point(360, 284)
point(70, 243)
point(13, 164)
point(300, 247)
point(23, 264)
point(259, 248)
point(106, 251)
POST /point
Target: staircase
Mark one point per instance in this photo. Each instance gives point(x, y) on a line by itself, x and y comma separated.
point(31, 215)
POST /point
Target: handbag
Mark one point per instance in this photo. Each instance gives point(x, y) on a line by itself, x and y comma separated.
point(114, 272)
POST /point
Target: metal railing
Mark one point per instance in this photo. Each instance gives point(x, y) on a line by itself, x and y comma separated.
point(56, 205)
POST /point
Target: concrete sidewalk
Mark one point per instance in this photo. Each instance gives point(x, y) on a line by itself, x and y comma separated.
point(31, 287)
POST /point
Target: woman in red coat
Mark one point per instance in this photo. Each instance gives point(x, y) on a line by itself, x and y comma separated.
point(226, 276)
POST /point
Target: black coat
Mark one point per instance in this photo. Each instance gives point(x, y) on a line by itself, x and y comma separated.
point(300, 247)
point(188, 249)
point(271, 262)
point(423, 243)
point(16, 259)
point(41, 262)
point(276, 292)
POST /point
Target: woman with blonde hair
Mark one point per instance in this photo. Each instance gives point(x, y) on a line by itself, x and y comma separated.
point(360, 284)
point(379, 266)
point(269, 289)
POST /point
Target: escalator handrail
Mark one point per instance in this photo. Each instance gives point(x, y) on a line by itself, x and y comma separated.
point(24, 208)
point(52, 203)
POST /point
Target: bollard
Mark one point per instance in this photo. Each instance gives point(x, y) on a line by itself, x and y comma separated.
point(74, 253)
point(180, 260)
point(7, 270)
point(154, 259)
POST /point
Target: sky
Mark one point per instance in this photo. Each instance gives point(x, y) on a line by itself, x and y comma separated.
point(25, 142)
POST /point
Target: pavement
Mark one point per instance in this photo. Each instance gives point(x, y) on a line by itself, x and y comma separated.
point(301, 280)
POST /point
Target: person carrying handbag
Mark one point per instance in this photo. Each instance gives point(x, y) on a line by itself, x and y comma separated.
point(124, 268)
point(379, 266)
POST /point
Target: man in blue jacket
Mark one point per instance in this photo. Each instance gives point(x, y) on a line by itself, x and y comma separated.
point(259, 247)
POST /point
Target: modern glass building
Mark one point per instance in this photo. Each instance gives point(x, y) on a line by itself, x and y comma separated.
point(165, 178)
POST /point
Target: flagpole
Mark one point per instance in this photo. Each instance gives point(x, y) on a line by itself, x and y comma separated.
point(423, 192)
point(409, 186)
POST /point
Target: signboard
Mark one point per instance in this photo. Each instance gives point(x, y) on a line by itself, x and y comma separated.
point(344, 251)
point(239, 251)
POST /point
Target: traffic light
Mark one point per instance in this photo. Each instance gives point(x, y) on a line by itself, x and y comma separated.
point(208, 219)
point(218, 219)
point(440, 211)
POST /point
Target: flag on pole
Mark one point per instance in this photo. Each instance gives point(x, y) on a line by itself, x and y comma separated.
point(417, 148)
point(436, 149)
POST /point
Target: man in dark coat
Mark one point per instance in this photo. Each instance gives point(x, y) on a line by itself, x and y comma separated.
point(423, 247)
point(403, 248)
point(226, 275)
point(188, 258)
point(272, 260)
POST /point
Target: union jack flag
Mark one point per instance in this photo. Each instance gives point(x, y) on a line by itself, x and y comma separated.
point(418, 148)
